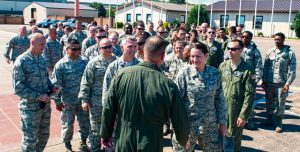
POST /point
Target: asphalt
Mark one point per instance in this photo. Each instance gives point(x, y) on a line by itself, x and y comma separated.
point(261, 139)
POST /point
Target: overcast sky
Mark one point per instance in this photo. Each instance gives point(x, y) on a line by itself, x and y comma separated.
point(122, 1)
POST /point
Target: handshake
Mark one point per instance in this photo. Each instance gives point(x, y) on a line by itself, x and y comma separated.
point(44, 98)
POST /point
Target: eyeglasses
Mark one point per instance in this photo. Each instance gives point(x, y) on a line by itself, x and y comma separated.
point(140, 43)
point(211, 32)
point(233, 49)
point(140, 28)
point(101, 36)
point(107, 47)
point(187, 37)
point(75, 49)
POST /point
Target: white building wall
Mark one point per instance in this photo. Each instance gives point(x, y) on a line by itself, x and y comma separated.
point(138, 10)
point(41, 13)
point(280, 22)
point(70, 12)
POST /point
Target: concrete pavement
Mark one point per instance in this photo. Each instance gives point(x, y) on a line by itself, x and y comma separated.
point(263, 139)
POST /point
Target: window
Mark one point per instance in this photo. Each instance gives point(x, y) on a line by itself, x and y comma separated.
point(258, 22)
point(128, 18)
point(222, 20)
point(148, 18)
point(182, 18)
point(242, 20)
point(138, 17)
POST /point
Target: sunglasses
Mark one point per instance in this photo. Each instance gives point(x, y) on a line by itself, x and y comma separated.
point(107, 47)
point(140, 43)
point(75, 49)
point(233, 49)
point(211, 32)
point(101, 36)
point(246, 37)
point(162, 32)
point(140, 28)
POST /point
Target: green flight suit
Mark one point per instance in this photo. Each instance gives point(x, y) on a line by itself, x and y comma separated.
point(239, 91)
point(144, 99)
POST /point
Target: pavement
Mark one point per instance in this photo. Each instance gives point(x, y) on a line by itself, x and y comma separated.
point(262, 139)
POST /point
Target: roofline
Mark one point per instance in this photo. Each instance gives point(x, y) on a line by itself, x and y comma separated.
point(92, 9)
point(258, 11)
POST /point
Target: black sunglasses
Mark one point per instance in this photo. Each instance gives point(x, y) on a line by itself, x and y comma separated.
point(140, 43)
point(75, 49)
point(140, 28)
point(107, 47)
point(101, 36)
point(233, 49)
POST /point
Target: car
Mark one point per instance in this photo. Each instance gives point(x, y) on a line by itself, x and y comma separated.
point(52, 22)
point(71, 23)
point(40, 24)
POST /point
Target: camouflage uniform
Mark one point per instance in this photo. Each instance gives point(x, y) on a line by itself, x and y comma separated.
point(92, 52)
point(117, 50)
point(91, 93)
point(59, 33)
point(17, 45)
point(112, 69)
point(279, 70)
point(172, 66)
point(216, 54)
point(64, 41)
point(67, 75)
point(239, 90)
point(30, 80)
point(79, 36)
point(87, 43)
point(203, 97)
point(52, 52)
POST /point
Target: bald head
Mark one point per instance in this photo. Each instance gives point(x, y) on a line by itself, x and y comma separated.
point(155, 46)
point(22, 30)
point(105, 47)
point(37, 43)
point(105, 42)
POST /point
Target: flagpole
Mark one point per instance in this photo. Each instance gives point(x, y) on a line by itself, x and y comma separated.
point(240, 9)
point(117, 6)
point(211, 12)
point(133, 12)
point(160, 16)
point(142, 10)
point(272, 18)
point(290, 13)
point(225, 15)
point(124, 11)
point(254, 28)
point(198, 13)
point(185, 19)
point(151, 10)
point(109, 24)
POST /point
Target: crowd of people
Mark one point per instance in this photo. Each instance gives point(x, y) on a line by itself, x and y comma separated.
point(129, 89)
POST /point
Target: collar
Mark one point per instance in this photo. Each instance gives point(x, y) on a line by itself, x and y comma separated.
point(149, 65)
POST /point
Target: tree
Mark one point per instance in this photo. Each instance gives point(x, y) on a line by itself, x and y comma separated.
point(177, 1)
point(296, 24)
point(193, 15)
point(112, 12)
point(100, 8)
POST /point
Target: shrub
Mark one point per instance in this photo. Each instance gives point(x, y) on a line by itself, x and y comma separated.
point(120, 25)
point(260, 34)
point(165, 24)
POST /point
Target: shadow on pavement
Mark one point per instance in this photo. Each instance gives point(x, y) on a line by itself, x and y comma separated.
point(250, 149)
point(247, 138)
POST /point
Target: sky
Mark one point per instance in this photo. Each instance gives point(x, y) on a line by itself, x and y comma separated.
point(122, 1)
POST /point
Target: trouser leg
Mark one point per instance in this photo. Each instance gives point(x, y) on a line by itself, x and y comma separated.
point(44, 131)
point(67, 120)
point(95, 122)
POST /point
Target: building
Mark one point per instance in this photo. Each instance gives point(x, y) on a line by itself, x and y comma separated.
point(41, 10)
point(15, 7)
point(167, 12)
point(263, 16)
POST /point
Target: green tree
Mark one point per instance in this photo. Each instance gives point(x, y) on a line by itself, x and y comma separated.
point(100, 8)
point(112, 12)
point(296, 24)
point(193, 15)
point(177, 1)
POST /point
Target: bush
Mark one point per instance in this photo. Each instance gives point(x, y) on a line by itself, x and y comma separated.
point(260, 34)
point(120, 25)
point(193, 15)
point(296, 24)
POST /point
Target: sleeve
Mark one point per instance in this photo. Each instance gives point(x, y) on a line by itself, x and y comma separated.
point(220, 104)
point(19, 84)
point(46, 55)
point(266, 68)
point(220, 55)
point(248, 96)
point(179, 117)
point(181, 83)
point(8, 48)
point(106, 83)
point(109, 112)
point(259, 66)
point(84, 47)
point(291, 74)
point(57, 82)
point(86, 84)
